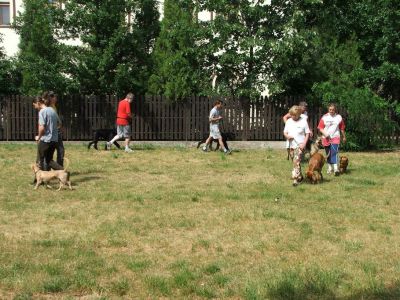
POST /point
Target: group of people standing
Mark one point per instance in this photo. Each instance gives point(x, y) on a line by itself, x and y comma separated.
point(297, 132)
point(49, 138)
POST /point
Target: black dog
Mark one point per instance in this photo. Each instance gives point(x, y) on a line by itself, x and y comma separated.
point(105, 135)
point(225, 137)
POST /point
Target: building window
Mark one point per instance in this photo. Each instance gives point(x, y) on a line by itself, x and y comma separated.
point(4, 13)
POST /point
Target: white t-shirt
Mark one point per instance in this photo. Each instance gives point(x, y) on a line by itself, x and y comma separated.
point(305, 117)
point(214, 113)
point(332, 125)
point(298, 130)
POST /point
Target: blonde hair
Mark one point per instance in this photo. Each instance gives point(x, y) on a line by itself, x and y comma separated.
point(295, 111)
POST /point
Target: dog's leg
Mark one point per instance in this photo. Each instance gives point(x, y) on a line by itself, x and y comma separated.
point(38, 182)
point(61, 184)
point(199, 143)
point(225, 144)
point(90, 144)
point(117, 145)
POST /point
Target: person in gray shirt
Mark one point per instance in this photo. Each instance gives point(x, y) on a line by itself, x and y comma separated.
point(48, 135)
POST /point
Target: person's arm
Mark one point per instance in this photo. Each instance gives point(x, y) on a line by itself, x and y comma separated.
point(128, 110)
point(342, 127)
point(303, 145)
point(286, 117)
point(41, 132)
point(321, 128)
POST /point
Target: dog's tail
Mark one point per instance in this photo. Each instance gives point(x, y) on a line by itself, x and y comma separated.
point(67, 163)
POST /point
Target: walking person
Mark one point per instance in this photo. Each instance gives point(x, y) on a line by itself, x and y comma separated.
point(214, 119)
point(124, 117)
point(332, 128)
point(52, 98)
point(47, 137)
point(296, 132)
point(304, 114)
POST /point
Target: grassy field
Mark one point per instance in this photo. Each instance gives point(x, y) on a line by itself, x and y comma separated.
point(177, 223)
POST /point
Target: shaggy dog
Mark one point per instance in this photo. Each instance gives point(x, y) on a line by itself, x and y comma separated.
point(315, 165)
point(225, 137)
point(344, 162)
point(105, 135)
point(46, 176)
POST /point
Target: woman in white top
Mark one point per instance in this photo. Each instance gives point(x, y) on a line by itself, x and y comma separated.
point(297, 133)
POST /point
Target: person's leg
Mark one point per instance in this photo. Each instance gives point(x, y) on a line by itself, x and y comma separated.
point(127, 135)
point(221, 144)
point(49, 154)
point(335, 158)
point(328, 159)
point(296, 172)
point(42, 151)
point(60, 150)
point(208, 141)
point(115, 138)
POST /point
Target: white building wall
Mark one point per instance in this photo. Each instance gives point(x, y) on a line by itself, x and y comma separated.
point(10, 38)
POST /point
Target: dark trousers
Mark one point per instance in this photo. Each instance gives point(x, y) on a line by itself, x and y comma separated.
point(46, 152)
point(60, 149)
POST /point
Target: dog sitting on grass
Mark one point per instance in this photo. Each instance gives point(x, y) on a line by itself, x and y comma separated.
point(105, 135)
point(225, 137)
point(343, 163)
point(47, 176)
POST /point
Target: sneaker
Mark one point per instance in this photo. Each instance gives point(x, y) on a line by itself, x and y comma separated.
point(337, 173)
point(108, 145)
point(204, 148)
point(227, 152)
point(128, 150)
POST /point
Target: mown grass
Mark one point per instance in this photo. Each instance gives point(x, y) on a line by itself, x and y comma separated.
point(179, 223)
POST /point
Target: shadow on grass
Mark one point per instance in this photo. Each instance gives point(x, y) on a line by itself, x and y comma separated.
point(84, 179)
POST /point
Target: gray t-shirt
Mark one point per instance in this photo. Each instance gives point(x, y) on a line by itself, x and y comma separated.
point(49, 119)
point(214, 113)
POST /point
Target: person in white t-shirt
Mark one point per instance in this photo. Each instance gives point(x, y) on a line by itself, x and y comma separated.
point(296, 132)
point(332, 128)
point(214, 118)
point(304, 114)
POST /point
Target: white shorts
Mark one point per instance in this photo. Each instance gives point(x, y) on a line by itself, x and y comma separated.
point(124, 131)
point(214, 131)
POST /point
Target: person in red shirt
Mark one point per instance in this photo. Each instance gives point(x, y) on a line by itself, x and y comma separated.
point(124, 117)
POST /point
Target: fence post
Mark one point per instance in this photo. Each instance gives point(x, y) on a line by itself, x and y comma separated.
point(246, 117)
point(7, 118)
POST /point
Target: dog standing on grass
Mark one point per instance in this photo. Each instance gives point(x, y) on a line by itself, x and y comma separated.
point(316, 162)
point(105, 135)
point(225, 137)
point(46, 176)
point(343, 163)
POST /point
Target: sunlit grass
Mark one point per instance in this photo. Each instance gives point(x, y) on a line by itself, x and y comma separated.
point(179, 223)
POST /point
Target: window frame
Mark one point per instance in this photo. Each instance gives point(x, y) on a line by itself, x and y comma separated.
point(7, 4)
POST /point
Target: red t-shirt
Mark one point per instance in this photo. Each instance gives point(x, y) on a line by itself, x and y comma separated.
point(124, 111)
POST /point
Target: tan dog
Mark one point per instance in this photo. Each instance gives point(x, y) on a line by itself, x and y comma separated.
point(46, 176)
point(315, 165)
point(344, 162)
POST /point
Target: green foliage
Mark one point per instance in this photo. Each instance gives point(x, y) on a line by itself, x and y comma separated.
point(238, 43)
point(117, 38)
point(367, 116)
point(177, 67)
point(41, 54)
point(10, 77)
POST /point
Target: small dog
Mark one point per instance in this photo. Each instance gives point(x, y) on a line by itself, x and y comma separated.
point(315, 164)
point(46, 176)
point(344, 162)
point(105, 135)
point(225, 137)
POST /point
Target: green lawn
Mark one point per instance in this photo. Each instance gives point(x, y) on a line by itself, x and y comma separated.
point(178, 223)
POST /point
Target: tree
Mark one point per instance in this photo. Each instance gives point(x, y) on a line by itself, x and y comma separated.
point(117, 38)
point(41, 56)
point(178, 71)
point(10, 77)
point(240, 42)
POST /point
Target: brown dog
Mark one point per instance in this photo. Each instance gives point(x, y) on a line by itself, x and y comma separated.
point(46, 176)
point(315, 165)
point(344, 162)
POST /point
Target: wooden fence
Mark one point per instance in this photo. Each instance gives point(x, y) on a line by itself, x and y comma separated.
point(154, 117)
